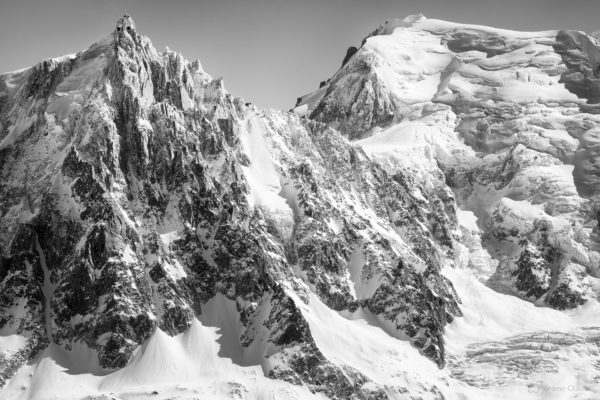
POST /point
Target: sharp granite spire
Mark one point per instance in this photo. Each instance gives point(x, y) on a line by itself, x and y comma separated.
point(125, 24)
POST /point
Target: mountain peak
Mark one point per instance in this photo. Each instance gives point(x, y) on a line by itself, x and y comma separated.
point(125, 24)
point(125, 33)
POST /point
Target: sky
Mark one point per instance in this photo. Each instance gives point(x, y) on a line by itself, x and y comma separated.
point(268, 51)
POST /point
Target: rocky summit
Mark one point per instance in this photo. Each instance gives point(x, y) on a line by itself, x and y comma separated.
point(422, 226)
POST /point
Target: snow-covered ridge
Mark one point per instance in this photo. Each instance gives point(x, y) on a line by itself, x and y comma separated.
point(506, 120)
point(414, 60)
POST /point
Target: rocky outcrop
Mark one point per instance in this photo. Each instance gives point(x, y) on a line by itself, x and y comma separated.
point(533, 274)
point(582, 60)
point(349, 53)
point(136, 191)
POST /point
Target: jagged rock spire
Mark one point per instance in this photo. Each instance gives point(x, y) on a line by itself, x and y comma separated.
point(125, 33)
point(125, 24)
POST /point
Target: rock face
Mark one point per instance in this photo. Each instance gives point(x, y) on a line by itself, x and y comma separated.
point(136, 192)
point(506, 121)
point(581, 56)
point(161, 238)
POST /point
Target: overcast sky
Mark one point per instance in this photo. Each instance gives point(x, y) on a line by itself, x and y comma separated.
point(268, 51)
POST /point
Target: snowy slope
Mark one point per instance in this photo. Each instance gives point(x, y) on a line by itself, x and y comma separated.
point(507, 121)
point(187, 365)
point(505, 127)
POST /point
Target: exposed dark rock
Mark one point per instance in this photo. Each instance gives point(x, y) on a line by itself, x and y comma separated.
point(349, 53)
point(564, 298)
point(582, 58)
point(533, 273)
